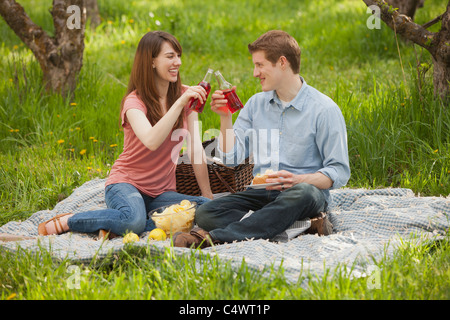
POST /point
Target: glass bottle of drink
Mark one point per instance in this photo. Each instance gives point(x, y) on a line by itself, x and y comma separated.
point(194, 104)
point(233, 102)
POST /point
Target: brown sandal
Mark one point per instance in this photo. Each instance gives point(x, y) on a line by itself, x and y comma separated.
point(41, 228)
point(106, 235)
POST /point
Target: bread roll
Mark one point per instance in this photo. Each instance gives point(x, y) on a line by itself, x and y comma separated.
point(261, 178)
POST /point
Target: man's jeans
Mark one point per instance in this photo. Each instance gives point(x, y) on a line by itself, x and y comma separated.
point(126, 211)
point(274, 212)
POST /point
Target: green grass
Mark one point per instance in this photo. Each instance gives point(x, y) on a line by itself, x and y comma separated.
point(415, 272)
point(398, 135)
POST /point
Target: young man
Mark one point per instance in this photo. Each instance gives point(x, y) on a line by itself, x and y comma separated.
point(290, 128)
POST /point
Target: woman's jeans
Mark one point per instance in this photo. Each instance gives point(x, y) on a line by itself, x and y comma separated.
point(274, 212)
point(127, 210)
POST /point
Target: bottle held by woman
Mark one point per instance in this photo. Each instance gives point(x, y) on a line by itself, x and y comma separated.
point(195, 104)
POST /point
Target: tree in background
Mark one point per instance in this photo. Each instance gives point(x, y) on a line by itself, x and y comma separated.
point(437, 43)
point(60, 56)
point(407, 7)
point(92, 12)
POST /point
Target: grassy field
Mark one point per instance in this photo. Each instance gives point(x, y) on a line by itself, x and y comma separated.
point(398, 134)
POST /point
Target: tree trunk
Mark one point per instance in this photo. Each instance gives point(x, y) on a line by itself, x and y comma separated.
point(406, 7)
point(437, 43)
point(92, 13)
point(441, 57)
point(61, 56)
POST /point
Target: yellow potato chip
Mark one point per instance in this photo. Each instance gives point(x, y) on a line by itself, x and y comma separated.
point(178, 209)
point(177, 217)
point(185, 203)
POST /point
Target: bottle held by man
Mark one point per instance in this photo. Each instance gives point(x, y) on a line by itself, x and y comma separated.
point(233, 102)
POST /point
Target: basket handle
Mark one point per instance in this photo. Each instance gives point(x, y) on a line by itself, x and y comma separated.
point(216, 161)
point(223, 180)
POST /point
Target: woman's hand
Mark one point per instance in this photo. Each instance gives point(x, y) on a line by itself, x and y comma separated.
point(208, 195)
point(194, 92)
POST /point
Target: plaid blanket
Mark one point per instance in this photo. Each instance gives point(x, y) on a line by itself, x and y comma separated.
point(367, 224)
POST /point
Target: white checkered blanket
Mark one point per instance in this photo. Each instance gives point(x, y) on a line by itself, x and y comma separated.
point(367, 224)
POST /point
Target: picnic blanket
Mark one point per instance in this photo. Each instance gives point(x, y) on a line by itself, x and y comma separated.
point(367, 225)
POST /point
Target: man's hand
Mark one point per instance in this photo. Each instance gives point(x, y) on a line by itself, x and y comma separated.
point(219, 106)
point(288, 179)
point(219, 103)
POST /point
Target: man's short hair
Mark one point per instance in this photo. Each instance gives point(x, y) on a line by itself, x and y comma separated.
point(277, 43)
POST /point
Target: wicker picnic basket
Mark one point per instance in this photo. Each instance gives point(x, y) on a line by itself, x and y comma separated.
point(221, 177)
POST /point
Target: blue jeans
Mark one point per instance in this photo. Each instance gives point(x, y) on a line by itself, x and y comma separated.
point(126, 211)
point(274, 212)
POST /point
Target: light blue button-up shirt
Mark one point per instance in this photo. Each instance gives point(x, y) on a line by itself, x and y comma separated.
point(308, 135)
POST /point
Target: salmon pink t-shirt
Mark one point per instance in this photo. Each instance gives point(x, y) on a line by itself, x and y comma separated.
point(151, 172)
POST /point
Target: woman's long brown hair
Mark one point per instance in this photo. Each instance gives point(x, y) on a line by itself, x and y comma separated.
point(142, 77)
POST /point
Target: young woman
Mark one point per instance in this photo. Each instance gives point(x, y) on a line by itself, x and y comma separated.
point(154, 118)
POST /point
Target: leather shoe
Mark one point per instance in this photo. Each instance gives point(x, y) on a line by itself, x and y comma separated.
point(320, 225)
point(196, 238)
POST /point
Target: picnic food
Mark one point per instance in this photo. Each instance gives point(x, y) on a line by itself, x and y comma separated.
point(176, 217)
point(130, 238)
point(261, 178)
point(157, 234)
